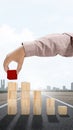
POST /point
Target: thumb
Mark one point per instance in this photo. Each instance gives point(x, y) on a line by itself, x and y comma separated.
point(19, 66)
point(6, 65)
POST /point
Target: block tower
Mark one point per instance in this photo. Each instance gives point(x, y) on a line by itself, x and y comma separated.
point(25, 98)
point(37, 103)
point(50, 106)
point(12, 98)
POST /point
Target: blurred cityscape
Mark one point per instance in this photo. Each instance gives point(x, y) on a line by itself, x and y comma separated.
point(64, 88)
point(3, 87)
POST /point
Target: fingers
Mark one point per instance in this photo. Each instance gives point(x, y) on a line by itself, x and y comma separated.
point(6, 67)
point(20, 63)
point(6, 64)
point(19, 67)
point(16, 56)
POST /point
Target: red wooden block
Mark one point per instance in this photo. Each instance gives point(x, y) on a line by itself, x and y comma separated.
point(12, 74)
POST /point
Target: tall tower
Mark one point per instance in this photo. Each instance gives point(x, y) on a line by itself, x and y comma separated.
point(48, 87)
point(72, 86)
point(64, 87)
point(2, 84)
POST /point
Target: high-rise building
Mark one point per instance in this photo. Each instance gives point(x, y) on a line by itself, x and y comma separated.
point(64, 87)
point(48, 87)
point(2, 84)
point(72, 86)
point(54, 88)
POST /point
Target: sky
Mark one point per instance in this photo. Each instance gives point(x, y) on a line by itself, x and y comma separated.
point(27, 20)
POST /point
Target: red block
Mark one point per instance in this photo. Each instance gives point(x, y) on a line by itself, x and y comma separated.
point(11, 74)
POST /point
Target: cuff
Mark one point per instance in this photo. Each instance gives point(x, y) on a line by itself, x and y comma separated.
point(29, 48)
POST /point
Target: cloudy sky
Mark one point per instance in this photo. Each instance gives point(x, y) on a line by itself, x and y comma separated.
point(26, 20)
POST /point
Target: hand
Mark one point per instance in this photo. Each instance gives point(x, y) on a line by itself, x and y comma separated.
point(17, 56)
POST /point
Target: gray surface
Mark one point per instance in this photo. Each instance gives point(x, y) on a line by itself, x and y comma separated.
point(32, 122)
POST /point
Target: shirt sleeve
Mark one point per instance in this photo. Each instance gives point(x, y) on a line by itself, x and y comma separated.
point(50, 45)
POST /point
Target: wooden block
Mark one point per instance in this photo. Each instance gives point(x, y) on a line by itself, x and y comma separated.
point(25, 107)
point(28, 86)
point(25, 86)
point(50, 110)
point(12, 107)
point(12, 86)
point(62, 110)
point(12, 74)
point(50, 106)
point(12, 94)
point(50, 102)
point(37, 106)
point(37, 103)
point(25, 94)
point(37, 94)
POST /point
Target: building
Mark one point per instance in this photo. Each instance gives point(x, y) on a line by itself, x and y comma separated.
point(64, 88)
point(56, 88)
point(72, 86)
point(48, 87)
point(2, 84)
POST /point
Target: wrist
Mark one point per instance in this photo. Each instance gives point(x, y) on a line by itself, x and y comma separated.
point(22, 50)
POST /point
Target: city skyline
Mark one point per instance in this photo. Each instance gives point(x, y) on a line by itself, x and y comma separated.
point(3, 86)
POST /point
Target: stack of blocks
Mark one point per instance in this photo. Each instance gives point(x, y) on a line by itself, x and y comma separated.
point(25, 98)
point(50, 106)
point(37, 103)
point(25, 101)
point(12, 98)
point(62, 110)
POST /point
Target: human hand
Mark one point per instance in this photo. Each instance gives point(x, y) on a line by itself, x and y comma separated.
point(17, 56)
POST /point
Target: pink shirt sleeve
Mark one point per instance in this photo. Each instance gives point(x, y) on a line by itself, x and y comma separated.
point(50, 45)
